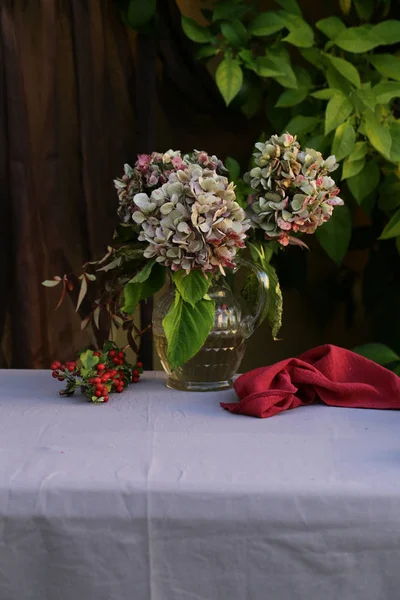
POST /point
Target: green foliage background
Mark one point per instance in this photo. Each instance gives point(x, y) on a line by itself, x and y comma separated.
point(335, 84)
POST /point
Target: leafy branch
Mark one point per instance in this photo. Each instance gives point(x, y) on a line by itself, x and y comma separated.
point(344, 104)
point(109, 276)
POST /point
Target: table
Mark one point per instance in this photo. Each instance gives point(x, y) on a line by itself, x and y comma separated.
point(163, 495)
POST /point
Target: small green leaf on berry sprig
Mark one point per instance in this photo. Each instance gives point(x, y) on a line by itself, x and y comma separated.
point(97, 373)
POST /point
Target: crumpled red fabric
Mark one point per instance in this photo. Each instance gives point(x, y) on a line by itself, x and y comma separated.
point(328, 374)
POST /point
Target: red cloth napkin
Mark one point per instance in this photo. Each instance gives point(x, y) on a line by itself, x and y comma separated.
point(333, 375)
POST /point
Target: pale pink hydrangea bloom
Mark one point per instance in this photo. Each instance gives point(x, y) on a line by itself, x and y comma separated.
point(185, 210)
point(293, 192)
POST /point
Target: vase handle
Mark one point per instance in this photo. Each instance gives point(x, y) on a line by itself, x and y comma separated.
point(251, 322)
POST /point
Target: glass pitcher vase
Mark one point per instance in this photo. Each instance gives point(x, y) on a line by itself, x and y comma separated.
point(213, 367)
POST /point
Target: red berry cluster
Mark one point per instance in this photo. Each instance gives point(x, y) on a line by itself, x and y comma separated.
point(99, 373)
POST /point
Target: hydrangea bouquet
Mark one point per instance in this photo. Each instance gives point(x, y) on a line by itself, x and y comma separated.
point(293, 192)
point(179, 214)
point(184, 210)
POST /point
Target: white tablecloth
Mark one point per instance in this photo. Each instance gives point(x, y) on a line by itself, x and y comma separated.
point(163, 495)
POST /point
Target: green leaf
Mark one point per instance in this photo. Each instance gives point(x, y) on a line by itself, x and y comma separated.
point(359, 152)
point(242, 190)
point(388, 32)
point(280, 60)
point(301, 125)
point(382, 112)
point(265, 67)
point(233, 167)
point(228, 10)
point(275, 300)
point(229, 78)
point(392, 229)
point(325, 94)
point(235, 32)
point(134, 292)
point(144, 274)
point(291, 97)
point(378, 135)
point(352, 167)
point(387, 65)
point(338, 109)
point(261, 253)
point(331, 27)
point(364, 8)
point(247, 56)
point(291, 6)
point(344, 141)
point(357, 40)
point(140, 13)
point(303, 77)
point(334, 235)
point(266, 23)
point(276, 117)
point(301, 34)
point(365, 182)
point(345, 68)
point(386, 91)
point(186, 328)
point(193, 286)
point(394, 129)
point(312, 55)
point(193, 30)
point(51, 282)
point(389, 193)
point(337, 81)
point(253, 102)
point(301, 38)
point(379, 353)
point(88, 360)
point(206, 52)
point(367, 98)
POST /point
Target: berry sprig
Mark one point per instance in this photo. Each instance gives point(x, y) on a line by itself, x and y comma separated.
point(97, 373)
